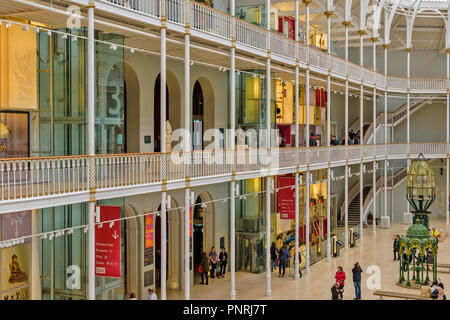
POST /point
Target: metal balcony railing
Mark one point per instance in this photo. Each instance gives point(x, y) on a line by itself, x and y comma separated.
point(220, 24)
point(34, 178)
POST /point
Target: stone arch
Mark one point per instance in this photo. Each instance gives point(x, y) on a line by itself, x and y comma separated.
point(208, 221)
point(174, 244)
point(132, 100)
point(133, 251)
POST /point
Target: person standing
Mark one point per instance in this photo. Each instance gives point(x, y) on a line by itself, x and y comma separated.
point(213, 261)
point(223, 258)
point(312, 141)
point(425, 290)
point(340, 278)
point(396, 247)
point(151, 294)
point(357, 270)
point(133, 296)
point(299, 263)
point(283, 256)
point(335, 291)
point(273, 256)
point(204, 268)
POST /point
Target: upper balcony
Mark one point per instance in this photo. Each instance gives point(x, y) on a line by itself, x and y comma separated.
point(213, 32)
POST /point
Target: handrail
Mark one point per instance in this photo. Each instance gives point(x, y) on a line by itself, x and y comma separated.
point(395, 117)
point(369, 199)
point(39, 178)
point(218, 23)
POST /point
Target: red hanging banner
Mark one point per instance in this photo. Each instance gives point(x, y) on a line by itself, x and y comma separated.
point(286, 197)
point(107, 242)
point(149, 230)
point(190, 221)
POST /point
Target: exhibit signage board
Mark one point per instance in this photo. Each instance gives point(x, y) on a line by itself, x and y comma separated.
point(15, 260)
point(286, 197)
point(107, 242)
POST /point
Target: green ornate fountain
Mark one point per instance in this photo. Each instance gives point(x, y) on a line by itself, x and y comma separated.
point(418, 249)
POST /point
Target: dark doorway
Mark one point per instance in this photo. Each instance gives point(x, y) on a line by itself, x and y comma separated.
point(197, 117)
point(158, 248)
point(157, 112)
point(198, 231)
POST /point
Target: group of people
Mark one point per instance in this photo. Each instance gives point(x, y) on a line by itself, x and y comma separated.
point(435, 291)
point(209, 264)
point(280, 258)
point(337, 290)
point(151, 295)
point(353, 138)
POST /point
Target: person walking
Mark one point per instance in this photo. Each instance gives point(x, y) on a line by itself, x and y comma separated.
point(283, 256)
point(357, 270)
point(273, 256)
point(396, 247)
point(299, 263)
point(223, 259)
point(213, 261)
point(340, 278)
point(204, 268)
point(335, 291)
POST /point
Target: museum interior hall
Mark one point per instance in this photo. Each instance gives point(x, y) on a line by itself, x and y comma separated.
point(224, 149)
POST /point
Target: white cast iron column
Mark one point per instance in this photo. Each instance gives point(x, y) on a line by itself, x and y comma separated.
point(232, 147)
point(297, 132)
point(91, 149)
point(374, 140)
point(328, 14)
point(268, 179)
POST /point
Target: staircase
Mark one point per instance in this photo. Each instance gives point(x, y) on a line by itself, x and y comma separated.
point(393, 119)
point(354, 196)
point(353, 207)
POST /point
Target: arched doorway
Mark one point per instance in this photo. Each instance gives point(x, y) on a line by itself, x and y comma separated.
point(197, 117)
point(174, 247)
point(202, 111)
point(157, 112)
point(203, 226)
point(132, 100)
point(132, 251)
point(173, 102)
point(110, 123)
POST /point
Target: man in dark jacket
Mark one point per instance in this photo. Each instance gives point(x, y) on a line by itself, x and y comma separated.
point(396, 247)
point(335, 291)
point(223, 259)
point(283, 256)
point(273, 256)
point(357, 270)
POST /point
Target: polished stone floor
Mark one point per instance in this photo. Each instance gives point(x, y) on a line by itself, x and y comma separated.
point(375, 250)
